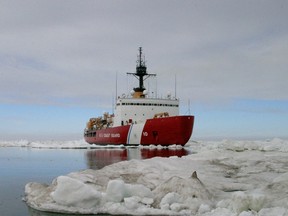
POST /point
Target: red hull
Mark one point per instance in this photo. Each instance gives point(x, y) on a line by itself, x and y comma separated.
point(167, 131)
point(159, 131)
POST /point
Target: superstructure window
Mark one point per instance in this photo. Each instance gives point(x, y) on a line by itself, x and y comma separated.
point(148, 104)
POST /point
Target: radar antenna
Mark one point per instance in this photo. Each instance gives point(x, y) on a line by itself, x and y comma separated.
point(141, 74)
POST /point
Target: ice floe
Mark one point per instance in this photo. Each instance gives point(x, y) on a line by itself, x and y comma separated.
point(245, 178)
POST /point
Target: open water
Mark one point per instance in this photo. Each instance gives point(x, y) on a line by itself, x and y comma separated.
point(18, 166)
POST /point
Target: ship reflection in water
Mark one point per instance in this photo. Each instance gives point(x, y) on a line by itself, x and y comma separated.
point(98, 158)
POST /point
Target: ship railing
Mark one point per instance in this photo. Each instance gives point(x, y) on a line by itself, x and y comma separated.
point(123, 96)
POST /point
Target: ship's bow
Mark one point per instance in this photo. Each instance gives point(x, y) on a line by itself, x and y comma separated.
point(168, 130)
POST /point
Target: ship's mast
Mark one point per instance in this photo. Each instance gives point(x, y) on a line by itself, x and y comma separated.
point(141, 74)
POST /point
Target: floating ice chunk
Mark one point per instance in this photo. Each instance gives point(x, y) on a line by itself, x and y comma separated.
point(138, 190)
point(147, 201)
point(242, 202)
point(256, 201)
point(203, 208)
point(160, 147)
point(132, 202)
point(169, 199)
point(177, 207)
point(72, 192)
point(34, 192)
point(172, 201)
point(117, 190)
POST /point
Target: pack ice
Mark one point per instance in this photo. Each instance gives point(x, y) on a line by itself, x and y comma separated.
point(245, 178)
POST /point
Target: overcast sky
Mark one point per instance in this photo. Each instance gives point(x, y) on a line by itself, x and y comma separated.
point(59, 59)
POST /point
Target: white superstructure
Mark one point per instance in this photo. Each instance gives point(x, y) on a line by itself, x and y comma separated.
point(137, 110)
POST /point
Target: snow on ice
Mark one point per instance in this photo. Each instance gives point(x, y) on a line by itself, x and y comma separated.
point(46, 144)
point(243, 178)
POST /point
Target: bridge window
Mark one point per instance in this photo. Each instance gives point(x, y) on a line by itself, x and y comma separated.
point(148, 104)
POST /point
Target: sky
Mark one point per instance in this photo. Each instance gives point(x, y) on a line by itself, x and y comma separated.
point(59, 61)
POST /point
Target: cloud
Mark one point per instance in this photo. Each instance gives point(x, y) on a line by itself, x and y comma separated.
point(68, 52)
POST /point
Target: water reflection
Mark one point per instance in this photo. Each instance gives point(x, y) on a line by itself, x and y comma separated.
point(98, 158)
